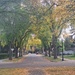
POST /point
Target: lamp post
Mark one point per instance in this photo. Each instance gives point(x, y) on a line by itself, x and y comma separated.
point(62, 50)
point(0, 46)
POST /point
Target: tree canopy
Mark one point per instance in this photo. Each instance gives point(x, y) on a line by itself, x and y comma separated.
point(44, 18)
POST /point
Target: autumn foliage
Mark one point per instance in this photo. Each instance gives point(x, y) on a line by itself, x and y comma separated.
point(14, 71)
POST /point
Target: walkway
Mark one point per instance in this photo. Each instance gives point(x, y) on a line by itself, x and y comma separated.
point(36, 61)
point(35, 64)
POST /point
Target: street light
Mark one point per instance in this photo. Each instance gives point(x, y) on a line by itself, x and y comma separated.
point(62, 39)
point(0, 46)
point(62, 50)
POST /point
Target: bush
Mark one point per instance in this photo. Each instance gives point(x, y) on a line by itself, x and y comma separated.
point(3, 55)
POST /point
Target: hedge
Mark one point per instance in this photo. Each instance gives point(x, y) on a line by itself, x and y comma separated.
point(3, 55)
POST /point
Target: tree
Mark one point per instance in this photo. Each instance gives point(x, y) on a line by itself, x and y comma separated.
point(33, 42)
point(52, 16)
point(14, 21)
point(18, 16)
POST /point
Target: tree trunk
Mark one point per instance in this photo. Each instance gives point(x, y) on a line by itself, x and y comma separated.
point(24, 49)
point(10, 53)
point(0, 46)
point(57, 52)
point(16, 52)
point(45, 50)
point(54, 41)
point(20, 53)
point(49, 52)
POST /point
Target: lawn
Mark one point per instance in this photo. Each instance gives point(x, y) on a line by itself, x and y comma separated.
point(60, 71)
point(14, 71)
point(20, 59)
point(71, 57)
point(52, 59)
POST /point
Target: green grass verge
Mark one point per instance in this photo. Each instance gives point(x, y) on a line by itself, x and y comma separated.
point(3, 55)
point(71, 57)
point(52, 59)
point(14, 60)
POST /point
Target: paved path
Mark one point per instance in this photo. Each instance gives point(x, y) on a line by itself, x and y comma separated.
point(36, 61)
point(36, 71)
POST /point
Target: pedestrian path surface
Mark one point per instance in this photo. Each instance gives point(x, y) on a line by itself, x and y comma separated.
point(36, 72)
point(36, 61)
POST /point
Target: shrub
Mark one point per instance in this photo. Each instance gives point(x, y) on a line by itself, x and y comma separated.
point(3, 55)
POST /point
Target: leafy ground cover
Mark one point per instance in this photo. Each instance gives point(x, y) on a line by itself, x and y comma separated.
point(14, 71)
point(60, 71)
point(46, 71)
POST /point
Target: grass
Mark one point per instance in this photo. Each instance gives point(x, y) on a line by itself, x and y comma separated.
point(60, 71)
point(14, 71)
point(52, 59)
point(14, 59)
point(71, 57)
point(3, 55)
